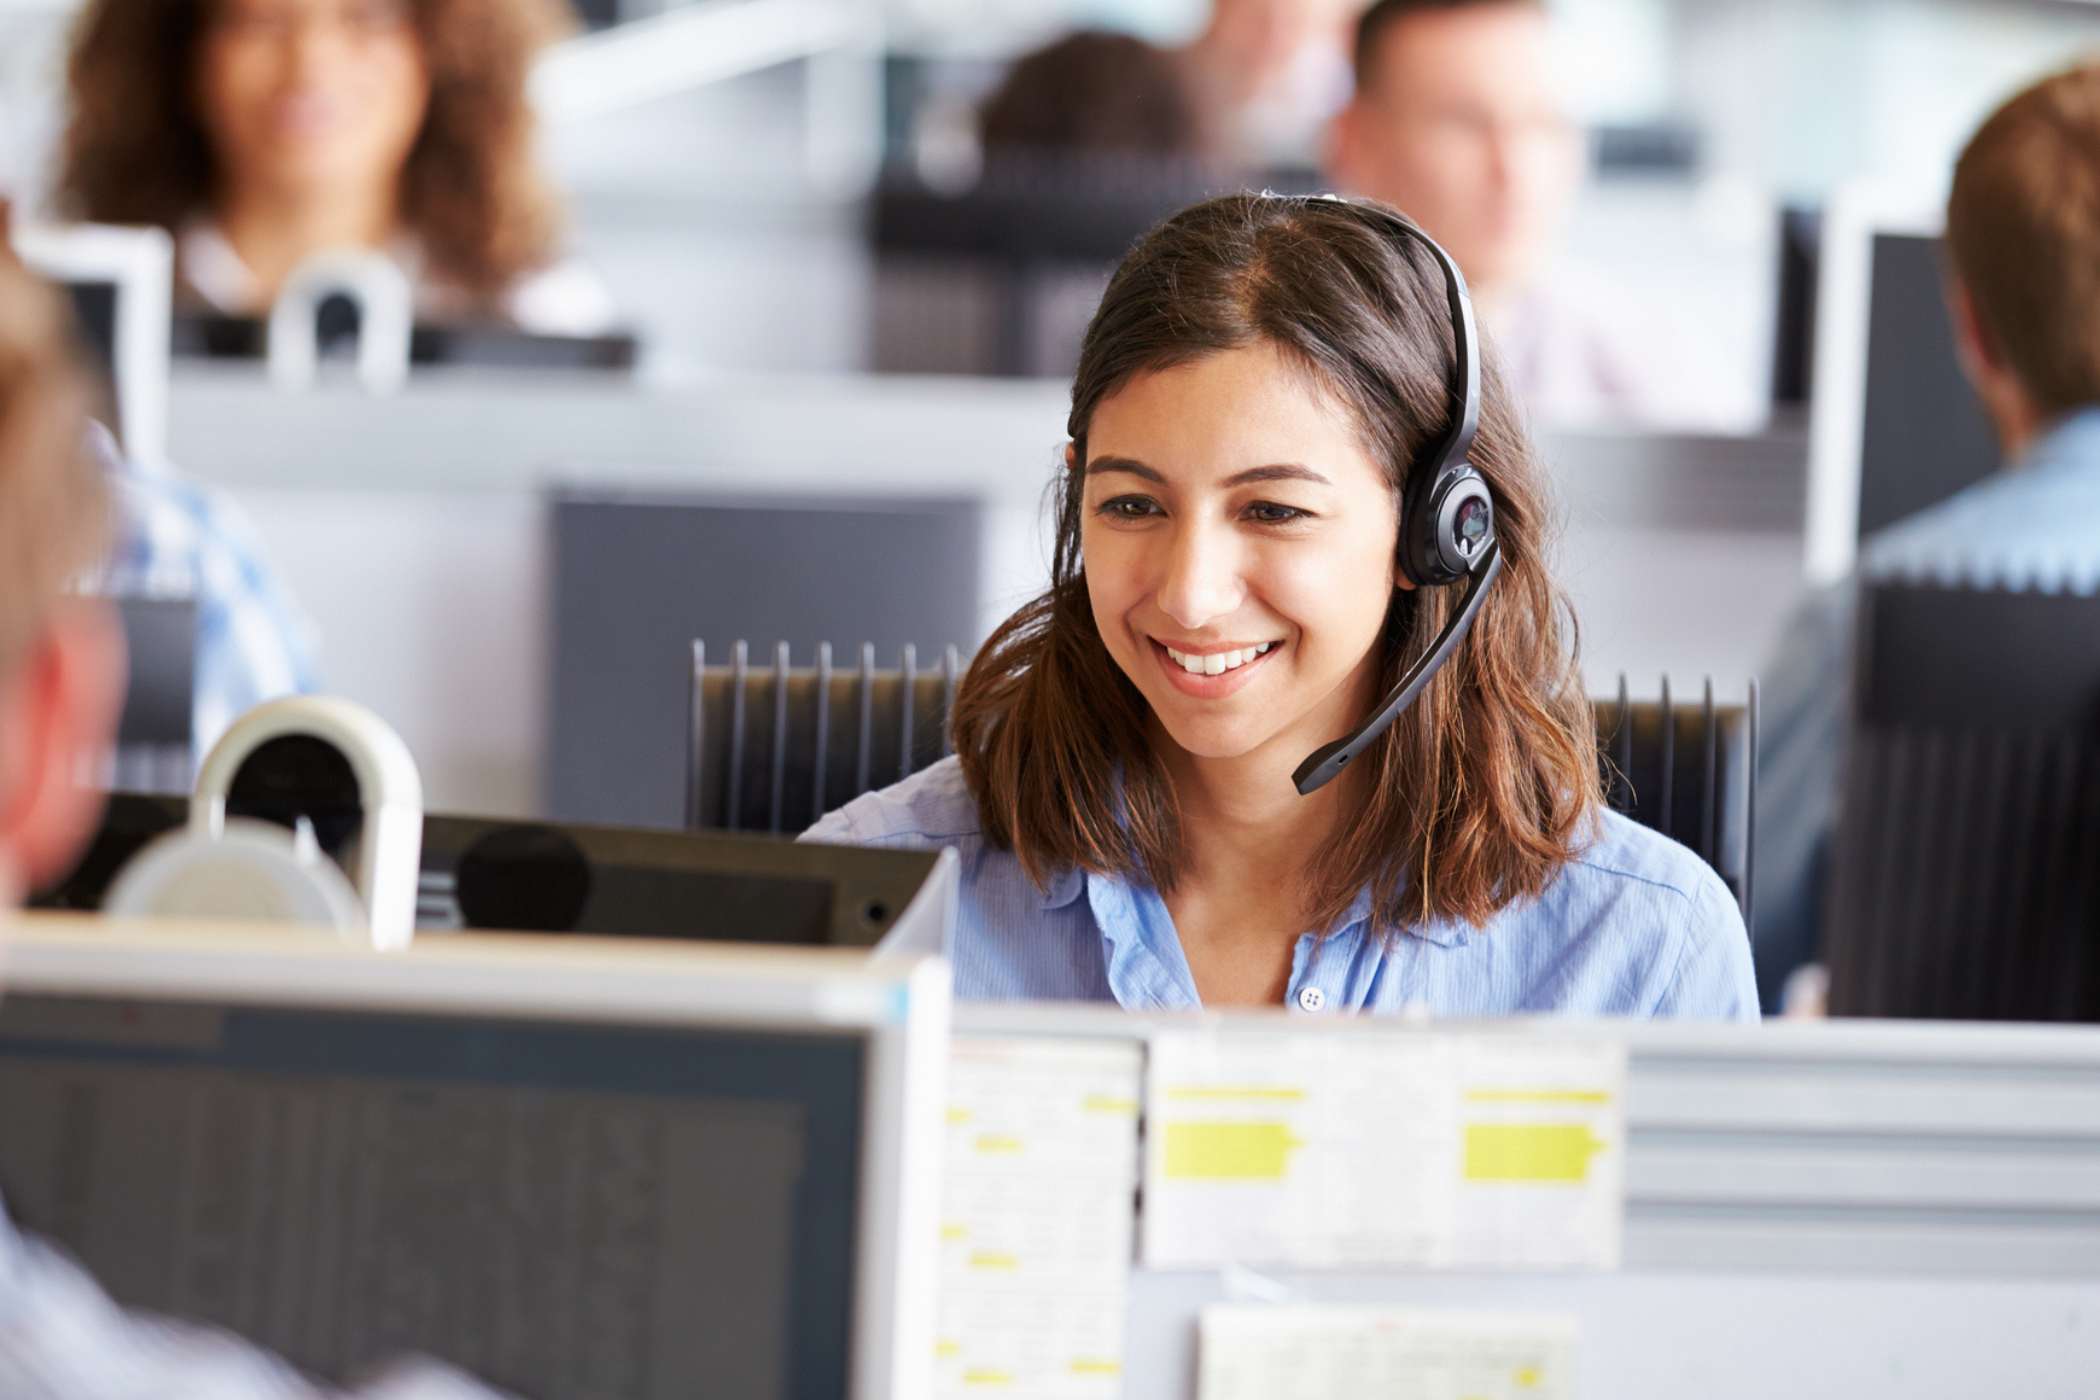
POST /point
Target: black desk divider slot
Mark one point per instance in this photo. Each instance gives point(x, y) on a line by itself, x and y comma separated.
point(1965, 866)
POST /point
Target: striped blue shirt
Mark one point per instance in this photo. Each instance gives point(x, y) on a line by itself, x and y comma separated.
point(1634, 925)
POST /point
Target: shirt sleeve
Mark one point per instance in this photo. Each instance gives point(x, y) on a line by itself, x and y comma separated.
point(833, 829)
point(1715, 979)
point(63, 1338)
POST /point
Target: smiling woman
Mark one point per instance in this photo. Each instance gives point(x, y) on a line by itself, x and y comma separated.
point(261, 132)
point(1264, 387)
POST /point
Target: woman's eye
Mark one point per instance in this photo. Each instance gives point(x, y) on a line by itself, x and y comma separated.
point(1269, 513)
point(1128, 508)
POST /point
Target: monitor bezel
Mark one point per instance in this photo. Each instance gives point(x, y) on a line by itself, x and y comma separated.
point(1856, 215)
point(140, 263)
point(899, 1007)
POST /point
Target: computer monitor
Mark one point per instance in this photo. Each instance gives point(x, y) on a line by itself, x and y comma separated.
point(640, 575)
point(1893, 425)
point(495, 874)
point(121, 283)
point(620, 1169)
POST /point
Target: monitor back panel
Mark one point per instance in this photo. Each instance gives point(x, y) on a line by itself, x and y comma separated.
point(639, 578)
point(1922, 435)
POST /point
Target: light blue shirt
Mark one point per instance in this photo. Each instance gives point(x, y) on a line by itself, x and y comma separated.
point(1634, 925)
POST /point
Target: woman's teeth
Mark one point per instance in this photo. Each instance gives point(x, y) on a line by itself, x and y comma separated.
point(1218, 662)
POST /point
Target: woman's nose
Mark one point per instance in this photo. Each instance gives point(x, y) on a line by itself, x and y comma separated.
point(1201, 582)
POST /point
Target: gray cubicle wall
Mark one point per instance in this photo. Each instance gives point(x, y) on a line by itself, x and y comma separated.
point(639, 576)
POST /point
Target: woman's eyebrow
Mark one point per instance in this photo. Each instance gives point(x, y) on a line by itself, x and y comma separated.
point(1124, 464)
point(1278, 471)
point(1275, 471)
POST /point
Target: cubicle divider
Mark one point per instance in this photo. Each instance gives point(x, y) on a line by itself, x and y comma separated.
point(1629, 1210)
point(1965, 869)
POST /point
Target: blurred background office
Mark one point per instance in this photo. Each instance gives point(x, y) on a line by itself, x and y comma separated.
point(652, 321)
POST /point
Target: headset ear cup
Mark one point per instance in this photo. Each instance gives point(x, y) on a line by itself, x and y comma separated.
point(1465, 521)
point(1447, 527)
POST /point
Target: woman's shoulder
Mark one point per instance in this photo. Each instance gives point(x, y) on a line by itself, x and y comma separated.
point(1652, 901)
point(932, 807)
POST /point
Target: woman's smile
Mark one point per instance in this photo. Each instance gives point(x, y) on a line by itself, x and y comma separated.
point(1213, 672)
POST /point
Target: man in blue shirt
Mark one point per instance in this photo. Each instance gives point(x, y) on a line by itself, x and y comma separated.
point(2023, 240)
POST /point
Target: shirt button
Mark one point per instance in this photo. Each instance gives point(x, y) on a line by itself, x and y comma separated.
point(1311, 998)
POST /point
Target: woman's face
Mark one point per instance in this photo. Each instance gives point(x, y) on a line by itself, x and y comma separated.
point(1239, 546)
point(300, 96)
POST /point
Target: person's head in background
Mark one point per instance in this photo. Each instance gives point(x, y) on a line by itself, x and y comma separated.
point(1459, 120)
point(61, 659)
point(1095, 93)
point(2023, 246)
point(301, 125)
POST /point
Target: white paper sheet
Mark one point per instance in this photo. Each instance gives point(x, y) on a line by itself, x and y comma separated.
point(1367, 1149)
point(1345, 1353)
point(1042, 1169)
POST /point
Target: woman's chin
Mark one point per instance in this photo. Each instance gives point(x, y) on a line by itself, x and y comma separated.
point(1218, 740)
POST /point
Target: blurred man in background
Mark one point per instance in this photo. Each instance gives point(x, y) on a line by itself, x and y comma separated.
point(61, 678)
point(1460, 120)
point(174, 537)
point(2023, 242)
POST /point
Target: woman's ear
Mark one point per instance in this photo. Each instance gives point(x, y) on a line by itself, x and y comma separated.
point(1071, 456)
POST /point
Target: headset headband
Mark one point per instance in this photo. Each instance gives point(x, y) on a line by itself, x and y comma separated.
point(1447, 524)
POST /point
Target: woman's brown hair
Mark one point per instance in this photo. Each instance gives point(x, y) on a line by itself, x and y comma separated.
point(1480, 793)
point(135, 149)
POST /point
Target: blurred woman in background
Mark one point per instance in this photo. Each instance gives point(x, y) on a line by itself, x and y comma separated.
point(262, 132)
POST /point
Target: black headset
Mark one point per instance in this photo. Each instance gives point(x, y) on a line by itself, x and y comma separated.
point(1447, 516)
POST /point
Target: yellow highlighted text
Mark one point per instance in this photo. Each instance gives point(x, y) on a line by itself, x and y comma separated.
point(1229, 1151)
point(1553, 1154)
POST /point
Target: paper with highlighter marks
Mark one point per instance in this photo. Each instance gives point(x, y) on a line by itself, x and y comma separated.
point(1542, 1167)
point(1341, 1353)
point(1360, 1148)
point(1036, 1219)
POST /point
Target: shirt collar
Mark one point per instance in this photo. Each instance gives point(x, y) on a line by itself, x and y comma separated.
point(1068, 885)
point(2073, 438)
